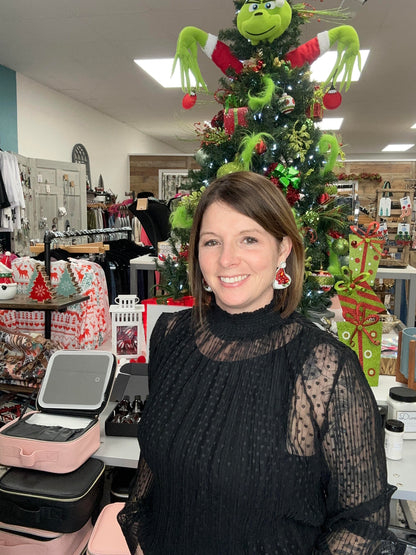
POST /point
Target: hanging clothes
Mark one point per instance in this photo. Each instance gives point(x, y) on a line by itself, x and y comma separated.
point(4, 201)
point(11, 217)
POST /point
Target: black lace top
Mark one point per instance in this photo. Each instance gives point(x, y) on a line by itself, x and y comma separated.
point(260, 436)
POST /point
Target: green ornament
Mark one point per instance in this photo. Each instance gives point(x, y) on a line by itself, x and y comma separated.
point(311, 218)
point(340, 246)
point(324, 279)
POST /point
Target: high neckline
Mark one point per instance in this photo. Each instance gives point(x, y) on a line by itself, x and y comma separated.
point(244, 324)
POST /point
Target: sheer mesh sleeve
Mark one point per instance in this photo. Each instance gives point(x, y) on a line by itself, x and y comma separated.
point(357, 491)
point(130, 518)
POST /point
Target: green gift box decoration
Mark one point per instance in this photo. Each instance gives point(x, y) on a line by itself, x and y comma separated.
point(355, 290)
point(362, 333)
point(365, 250)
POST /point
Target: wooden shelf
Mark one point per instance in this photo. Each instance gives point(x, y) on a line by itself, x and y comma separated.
point(23, 302)
point(87, 248)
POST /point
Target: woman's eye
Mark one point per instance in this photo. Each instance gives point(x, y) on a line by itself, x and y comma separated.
point(210, 243)
point(250, 240)
point(253, 7)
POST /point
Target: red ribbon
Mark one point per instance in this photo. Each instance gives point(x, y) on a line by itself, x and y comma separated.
point(370, 236)
point(361, 322)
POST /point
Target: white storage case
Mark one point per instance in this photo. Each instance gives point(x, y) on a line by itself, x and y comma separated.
point(65, 431)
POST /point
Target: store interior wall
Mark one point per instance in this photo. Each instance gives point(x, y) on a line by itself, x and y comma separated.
point(49, 125)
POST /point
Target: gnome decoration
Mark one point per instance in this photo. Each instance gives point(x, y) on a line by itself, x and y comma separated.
point(8, 287)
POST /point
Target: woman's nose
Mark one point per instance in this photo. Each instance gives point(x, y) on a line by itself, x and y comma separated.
point(229, 255)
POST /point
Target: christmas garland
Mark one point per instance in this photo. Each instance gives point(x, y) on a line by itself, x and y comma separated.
point(363, 175)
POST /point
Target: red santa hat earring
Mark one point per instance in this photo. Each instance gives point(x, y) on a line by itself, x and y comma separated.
point(282, 279)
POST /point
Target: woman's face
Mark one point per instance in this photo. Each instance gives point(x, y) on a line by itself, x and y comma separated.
point(238, 259)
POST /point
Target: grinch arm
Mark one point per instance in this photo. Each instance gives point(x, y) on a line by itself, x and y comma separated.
point(309, 51)
point(221, 55)
point(348, 46)
point(187, 54)
point(329, 146)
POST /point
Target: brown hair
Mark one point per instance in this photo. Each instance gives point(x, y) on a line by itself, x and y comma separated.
point(256, 197)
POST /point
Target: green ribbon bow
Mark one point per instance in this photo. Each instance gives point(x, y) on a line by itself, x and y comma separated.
point(358, 283)
point(287, 176)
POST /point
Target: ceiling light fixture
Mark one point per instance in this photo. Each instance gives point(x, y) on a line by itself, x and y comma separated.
point(343, 2)
point(319, 68)
point(161, 71)
point(330, 124)
point(397, 148)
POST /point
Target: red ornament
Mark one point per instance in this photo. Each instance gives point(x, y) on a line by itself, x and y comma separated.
point(218, 120)
point(188, 101)
point(259, 66)
point(261, 147)
point(332, 99)
point(323, 198)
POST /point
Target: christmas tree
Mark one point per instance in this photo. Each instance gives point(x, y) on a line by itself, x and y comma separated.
point(41, 289)
point(266, 123)
point(67, 285)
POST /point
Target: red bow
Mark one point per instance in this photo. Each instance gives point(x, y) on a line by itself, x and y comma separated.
point(360, 321)
point(369, 236)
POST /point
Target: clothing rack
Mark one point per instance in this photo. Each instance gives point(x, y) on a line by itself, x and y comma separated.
point(52, 235)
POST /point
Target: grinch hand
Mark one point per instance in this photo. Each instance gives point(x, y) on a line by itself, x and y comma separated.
point(263, 22)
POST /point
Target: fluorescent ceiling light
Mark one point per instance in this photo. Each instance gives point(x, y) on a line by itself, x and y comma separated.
point(397, 148)
point(330, 124)
point(161, 71)
point(413, 126)
point(322, 66)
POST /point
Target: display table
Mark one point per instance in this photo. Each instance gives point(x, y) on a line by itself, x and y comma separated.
point(146, 263)
point(400, 275)
point(60, 304)
point(116, 450)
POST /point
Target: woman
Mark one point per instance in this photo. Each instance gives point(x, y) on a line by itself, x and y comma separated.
point(260, 434)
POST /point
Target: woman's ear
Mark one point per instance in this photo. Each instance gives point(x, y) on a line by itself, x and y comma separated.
point(285, 247)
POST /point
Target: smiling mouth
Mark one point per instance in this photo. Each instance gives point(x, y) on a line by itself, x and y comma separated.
point(233, 279)
point(263, 33)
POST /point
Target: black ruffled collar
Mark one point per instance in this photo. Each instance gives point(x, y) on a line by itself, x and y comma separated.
point(243, 325)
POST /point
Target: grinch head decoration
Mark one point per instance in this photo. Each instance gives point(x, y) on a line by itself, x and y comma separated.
point(264, 20)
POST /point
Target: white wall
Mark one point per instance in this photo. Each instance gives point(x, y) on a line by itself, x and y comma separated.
point(49, 124)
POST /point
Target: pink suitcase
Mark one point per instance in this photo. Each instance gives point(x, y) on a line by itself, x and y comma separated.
point(107, 537)
point(65, 431)
point(19, 540)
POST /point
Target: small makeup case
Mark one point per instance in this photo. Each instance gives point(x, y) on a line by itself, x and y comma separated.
point(64, 432)
point(107, 537)
point(20, 540)
point(60, 503)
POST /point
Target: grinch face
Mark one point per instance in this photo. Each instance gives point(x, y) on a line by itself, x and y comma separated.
point(264, 20)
